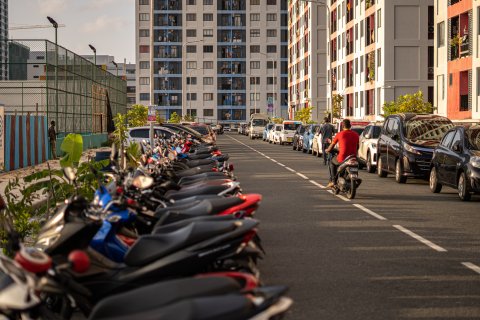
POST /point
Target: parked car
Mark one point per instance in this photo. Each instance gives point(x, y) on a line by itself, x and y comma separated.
point(308, 137)
point(242, 128)
point(288, 130)
point(317, 143)
point(267, 128)
point(297, 143)
point(367, 147)
point(205, 130)
point(138, 134)
point(406, 143)
point(274, 134)
point(456, 162)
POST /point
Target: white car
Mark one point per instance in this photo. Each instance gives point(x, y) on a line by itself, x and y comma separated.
point(138, 134)
point(288, 131)
point(274, 134)
point(317, 143)
point(367, 147)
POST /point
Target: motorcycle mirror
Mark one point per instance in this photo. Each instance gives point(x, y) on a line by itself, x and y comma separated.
point(142, 182)
point(69, 173)
point(113, 153)
point(79, 261)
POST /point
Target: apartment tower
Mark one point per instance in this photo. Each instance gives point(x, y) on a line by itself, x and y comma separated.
point(378, 50)
point(214, 60)
point(3, 39)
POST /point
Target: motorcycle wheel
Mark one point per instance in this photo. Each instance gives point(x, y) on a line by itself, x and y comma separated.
point(352, 190)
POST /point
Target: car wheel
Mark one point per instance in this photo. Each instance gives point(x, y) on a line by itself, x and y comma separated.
point(304, 150)
point(370, 167)
point(380, 172)
point(435, 187)
point(294, 147)
point(399, 177)
point(463, 188)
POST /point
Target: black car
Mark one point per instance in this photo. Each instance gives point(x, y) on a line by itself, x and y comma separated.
point(406, 143)
point(456, 162)
point(298, 138)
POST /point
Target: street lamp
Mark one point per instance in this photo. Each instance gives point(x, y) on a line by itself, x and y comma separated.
point(94, 53)
point(116, 66)
point(184, 98)
point(55, 26)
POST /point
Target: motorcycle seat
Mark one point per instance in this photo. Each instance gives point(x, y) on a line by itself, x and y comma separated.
point(209, 175)
point(199, 156)
point(202, 208)
point(199, 162)
point(149, 248)
point(176, 207)
point(161, 294)
point(192, 171)
point(161, 228)
point(190, 192)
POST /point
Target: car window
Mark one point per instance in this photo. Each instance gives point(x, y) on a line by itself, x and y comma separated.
point(290, 126)
point(167, 134)
point(376, 130)
point(473, 137)
point(447, 139)
point(431, 129)
point(278, 128)
point(139, 133)
point(395, 129)
point(457, 139)
point(366, 131)
point(388, 126)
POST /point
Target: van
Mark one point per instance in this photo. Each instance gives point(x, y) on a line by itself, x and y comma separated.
point(288, 130)
point(257, 123)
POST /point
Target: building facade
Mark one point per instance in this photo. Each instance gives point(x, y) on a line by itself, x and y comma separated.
point(307, 64)
point(3, 39)
point(378, 50)
point(457, 64)
point(215, 60)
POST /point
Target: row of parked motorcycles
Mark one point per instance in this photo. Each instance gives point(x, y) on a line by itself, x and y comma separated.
point(173, 238)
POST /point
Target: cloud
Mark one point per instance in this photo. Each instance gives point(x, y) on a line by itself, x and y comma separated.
point(101, 4)
point(51, 7)
point(103, 22)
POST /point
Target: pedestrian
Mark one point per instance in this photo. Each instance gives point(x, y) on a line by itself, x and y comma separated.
point(326, 132)
point(52, 138)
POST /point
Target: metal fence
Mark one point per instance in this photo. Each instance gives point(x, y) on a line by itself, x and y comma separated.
point(46, 79)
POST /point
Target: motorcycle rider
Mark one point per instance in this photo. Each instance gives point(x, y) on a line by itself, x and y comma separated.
point(348, 145)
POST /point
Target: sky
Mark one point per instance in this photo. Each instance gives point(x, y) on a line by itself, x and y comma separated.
point(109, 25)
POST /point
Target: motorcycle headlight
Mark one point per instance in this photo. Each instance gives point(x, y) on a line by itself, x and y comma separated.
point(475, 162)
point(411, 149)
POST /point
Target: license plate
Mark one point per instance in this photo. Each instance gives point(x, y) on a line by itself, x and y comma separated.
point(289, 139)
point(353, 169)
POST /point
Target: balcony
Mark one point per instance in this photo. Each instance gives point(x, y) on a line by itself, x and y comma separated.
point(231, 5)
point(168, 5)
point(369, 3)
point(460, 28)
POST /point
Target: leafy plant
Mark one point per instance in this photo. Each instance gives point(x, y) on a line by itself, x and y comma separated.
point(304, 114)
point(120, 133)
point(175, 118)
point(134, 153)
point(337, 100)
point(160, 120)
point(189, 118)
point(278, 120)
point(408, 103)
point(72, 145)
point(137, 116)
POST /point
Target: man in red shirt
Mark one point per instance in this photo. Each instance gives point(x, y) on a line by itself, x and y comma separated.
point(348, 145)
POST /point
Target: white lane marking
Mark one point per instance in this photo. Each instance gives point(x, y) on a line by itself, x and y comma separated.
point(274, 160)
point(472, 267)
point(302, 176)
point(343, 198)
point(370, 212)
point(330, 191)
point(268, 157)
point(420, 238)
point(321, 186)
point(290, 169)
point(281, 164)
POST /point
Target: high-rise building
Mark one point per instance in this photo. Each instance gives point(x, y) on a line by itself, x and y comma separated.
point(215, 60)
point(457, 64)
point(3, 39)
point(307, 65)
point(378, 50)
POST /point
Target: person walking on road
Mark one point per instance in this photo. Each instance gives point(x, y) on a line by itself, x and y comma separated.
point(52, 138)
point(326, 130)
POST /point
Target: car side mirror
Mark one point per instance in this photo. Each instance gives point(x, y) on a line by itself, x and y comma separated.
point(367, 136)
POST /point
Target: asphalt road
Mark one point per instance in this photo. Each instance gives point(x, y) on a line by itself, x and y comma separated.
point(394, 252)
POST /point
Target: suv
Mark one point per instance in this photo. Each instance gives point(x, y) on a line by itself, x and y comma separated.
point(367, 146)
point(138, 134)
point(406, 143)
point(297, 143)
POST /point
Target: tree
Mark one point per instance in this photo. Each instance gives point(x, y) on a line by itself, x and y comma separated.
point(277, 120)
point(120, 133)
point(304, 114)
point(160, 120)
point(189, 118)
point(407, 103)
point(137, 116)
point(175, 118)
point(337, 100)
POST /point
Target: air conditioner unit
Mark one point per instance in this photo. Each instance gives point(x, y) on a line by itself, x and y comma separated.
point(431, 29)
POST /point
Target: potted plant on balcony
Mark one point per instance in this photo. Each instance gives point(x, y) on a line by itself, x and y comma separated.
point(455, 44)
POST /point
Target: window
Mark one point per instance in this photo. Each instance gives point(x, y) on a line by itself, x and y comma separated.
point(144, 65)
point(271, 2)
point(208, 17)
point(144, 96)
point(271, 80)
point(191, 97)
point(144, 80)
point(208, 112)
point(207, 2)
point(254, 16)
point(271, 49)
point(191, 49)
point(208, 97)
point(144, 16)
point(254, 2)
point(192, 80)
point(254, 49)
point(271, 64)
point(144, 2)
point(191, 32)
point(191, 17)
point(255, 96)
point(207, 64)
point(271, 33)
point(379, 18)
point(208, 32)
point(379, 57)
point(207, 49)
point(208, 81)
point(191, 64)
point(450, 79)
point(35, 65)
point(191, 2)
point(441, 34)
point(254, 64)
point(144, 33)
point(271, 17)
point(254, 81)
point(144, 49)
point(254, 33)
